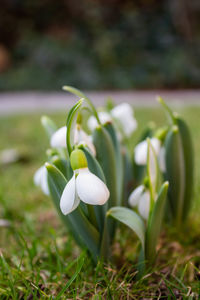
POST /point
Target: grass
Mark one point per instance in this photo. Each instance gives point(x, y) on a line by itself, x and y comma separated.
point(39, 259)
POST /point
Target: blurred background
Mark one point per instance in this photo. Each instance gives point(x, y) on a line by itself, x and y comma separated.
point(99, 44)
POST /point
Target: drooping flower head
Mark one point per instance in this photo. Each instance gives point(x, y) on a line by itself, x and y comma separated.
point(84, 185)
point(58, 139)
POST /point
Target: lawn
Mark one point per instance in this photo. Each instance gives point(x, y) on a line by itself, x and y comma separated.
point(39, 259)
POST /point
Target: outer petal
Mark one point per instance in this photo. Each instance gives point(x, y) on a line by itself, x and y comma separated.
point(161, 160)
point(103, 116)
point(141, 153)
point(69, 201)
point(135, 196)
point(40, 179)
point(58, 139)
point(124, 113)
point(90, 188)
point(141, 150)
point(144, 205)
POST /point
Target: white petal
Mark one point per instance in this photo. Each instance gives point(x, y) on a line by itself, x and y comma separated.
point(153, 166)
point(58, 139)
point(40, 179)
point(141, 150)
point(161, 160)
point(135, 196)
point(90, 188)
point(141, 153)
point(124, 113)
point(69, 201)
point(144, 205)
point(103, 116)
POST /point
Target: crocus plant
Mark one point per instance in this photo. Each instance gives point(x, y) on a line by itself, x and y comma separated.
point(94, 182)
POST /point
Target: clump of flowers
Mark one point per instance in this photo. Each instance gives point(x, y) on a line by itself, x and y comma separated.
point(95, 180)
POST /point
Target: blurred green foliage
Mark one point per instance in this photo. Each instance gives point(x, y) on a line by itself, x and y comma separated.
point(97, 44)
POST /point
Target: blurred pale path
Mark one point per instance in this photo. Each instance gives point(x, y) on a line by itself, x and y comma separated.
point(28, 102)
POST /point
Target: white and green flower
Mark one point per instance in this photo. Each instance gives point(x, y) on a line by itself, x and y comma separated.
point(83, 186)
point(58, 139)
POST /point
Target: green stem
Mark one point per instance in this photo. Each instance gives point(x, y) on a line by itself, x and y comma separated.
point(82, 95)
point(70, 118)
point(166, 107)
point(92, 216)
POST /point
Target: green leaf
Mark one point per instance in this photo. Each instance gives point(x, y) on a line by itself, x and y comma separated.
point(80, 94)
point(106, 157)
point(130, 219)
point(155, 223)
point(71, 117)
point(175, 173)
point(188, 154)
point(118, 160)
point(152, 171)
point(84, 232)
point(48, 125)
point(63, 166)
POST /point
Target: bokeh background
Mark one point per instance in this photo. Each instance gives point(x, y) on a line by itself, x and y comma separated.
point(99, 44)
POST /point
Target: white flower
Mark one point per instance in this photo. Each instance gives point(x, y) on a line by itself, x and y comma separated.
point(103, 117)
point(140, 198)
point(84, 186)
point(41, 179)
point(58, 139)
point(125, 115)
point(142, 148)
point(122, 115)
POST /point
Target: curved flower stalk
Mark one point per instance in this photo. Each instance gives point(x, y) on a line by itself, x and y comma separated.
point(84, 186)
point(123, 117)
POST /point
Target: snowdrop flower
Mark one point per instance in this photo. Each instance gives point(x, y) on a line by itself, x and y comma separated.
point(140, 198)
point(103, 117)
point(84, 186)
point(125, 115)
point(142, 148)
point(58, 139)
point(41, 179)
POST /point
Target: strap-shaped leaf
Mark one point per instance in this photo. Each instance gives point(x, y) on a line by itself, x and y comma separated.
point(118, 160)
point(48, 125)
point(83, 231)
point(154, 223)
point(106, 157)
point(175, 172)
point(152, 170)
point(188, 155)
point(130, 219)
point(63, 166)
